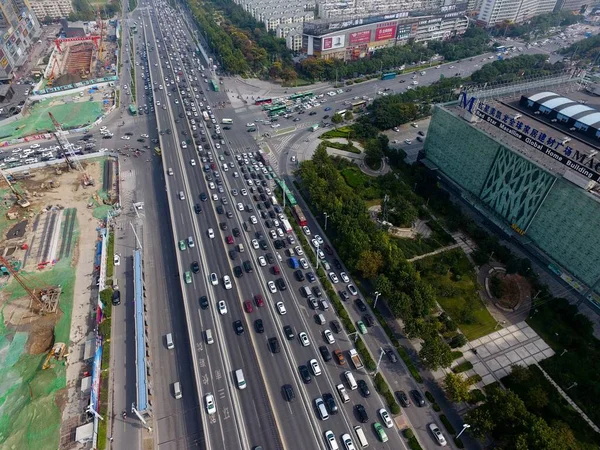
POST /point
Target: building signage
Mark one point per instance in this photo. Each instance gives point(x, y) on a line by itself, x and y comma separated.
point(385, 31)
point(333, 42)
point(555, 149)
point(360, 37)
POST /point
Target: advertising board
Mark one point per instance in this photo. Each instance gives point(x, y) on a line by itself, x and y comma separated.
point(360, 37)
point(333, 42)
point(385, 31)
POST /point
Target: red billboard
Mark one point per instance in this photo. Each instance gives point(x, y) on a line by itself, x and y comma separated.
point(385, 32)
point(360, 37)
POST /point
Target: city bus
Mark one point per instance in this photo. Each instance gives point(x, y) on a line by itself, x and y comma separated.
point(301, 95)
point(315, 127)
point(276, 110)
point(263, 101)
point(359, 105)
point(226, 120)
point(214, 85)
point(341, 112)
point(132, 109)
point(158, 151)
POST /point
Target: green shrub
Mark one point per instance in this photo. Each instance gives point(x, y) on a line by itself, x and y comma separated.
point(474, 379)
point(456, 354)
point(458, 341)
point(476, 396)
point(383, 388)
point(110, 253)
point(365, 355)
point(459, 443)
point(462, 367)
point(447, 424)
point(408, 433)
point(414, 444)
point(436, 407)
point(429, 396)
point(411, 367)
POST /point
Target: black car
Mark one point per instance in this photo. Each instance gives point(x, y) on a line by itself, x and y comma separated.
point(232, 254)
point(238, 327)
point(337, 264)
point(270, 258)
point(289, 332)
point(288, 392)
point(223, 226)
point(116, 297)
point(325, 353)
point(263, 244)
point(305, 374)
point(344, 295)
point(259, 235)
point(391, 355)
point(335, 326)
point(361, 412)
point(364, 388)
point(360, 305)
point(317, 291)
point(248, 267)
point(237, 271)
point(403, 398)
point(417, 397)
point(274, 345)
point(299, 275)
point(236, 232)
point(368, 319)
point(203, 197)
point(195, 267)
point(258, 326)
point(312, 113)
point(330, 403)
point(204, 302)
point(197, 208)
point(229, 214)
point(280, 284)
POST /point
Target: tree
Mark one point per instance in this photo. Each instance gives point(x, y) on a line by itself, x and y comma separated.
point(457, 388)
point(435, 353)
point(337, 119)
point(348, 115)
point(370, 263)
point(537, 398)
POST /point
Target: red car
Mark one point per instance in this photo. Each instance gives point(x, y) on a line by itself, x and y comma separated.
point(276, 270)
point(259, 300)
point(328, 249)
point(248, 306)
point(229, 239)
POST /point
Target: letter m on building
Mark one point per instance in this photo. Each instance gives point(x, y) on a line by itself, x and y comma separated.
point(466, 103)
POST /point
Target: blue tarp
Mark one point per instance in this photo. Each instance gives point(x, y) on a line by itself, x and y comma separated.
point(140, 336)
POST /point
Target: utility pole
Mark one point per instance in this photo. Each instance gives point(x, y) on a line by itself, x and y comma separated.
point(326, 217)
point(377, 294)
point(465, 426)
point(381, 353)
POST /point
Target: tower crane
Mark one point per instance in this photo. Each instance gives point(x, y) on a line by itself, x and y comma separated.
point(21, 200)
point(68, 152)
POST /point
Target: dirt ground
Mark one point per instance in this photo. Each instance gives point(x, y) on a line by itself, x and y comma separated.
point(47, 188)
point(516, 289)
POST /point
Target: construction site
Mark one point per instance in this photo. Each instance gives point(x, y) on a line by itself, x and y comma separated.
point(49, 222)
point(80, 58)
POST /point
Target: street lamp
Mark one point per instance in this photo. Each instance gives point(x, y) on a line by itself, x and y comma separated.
point(377, 294)
point(317, 255)
point(381, 353)
point(326, 217)
point(465, 426)
point(355, 335)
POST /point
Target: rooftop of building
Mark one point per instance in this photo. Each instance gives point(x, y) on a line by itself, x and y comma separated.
point(560, 132)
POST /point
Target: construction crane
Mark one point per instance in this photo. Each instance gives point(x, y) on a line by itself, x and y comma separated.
point(21, 200)
point(68, 152)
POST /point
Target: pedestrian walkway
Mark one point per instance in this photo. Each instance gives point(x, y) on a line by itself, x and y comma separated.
point(438, 251)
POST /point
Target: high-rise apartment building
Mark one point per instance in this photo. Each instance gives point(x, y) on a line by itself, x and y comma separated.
point(55, 9)
point(19, 30)
point(498, 11)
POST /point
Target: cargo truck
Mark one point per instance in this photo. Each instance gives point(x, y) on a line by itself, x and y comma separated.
point(356, 361)
point(286, 225)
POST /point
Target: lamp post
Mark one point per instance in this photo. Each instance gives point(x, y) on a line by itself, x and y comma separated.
point(317, 256)
point(499, 323)
point(355, 335)
point(326, 217)
point(381, 353)
point(572, 386)
point(377, 294)
point(465, 426)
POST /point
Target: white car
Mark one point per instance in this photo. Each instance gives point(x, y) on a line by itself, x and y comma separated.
point(407, 141)
point(209, 403)
point(304, 263)
point(211, 233)
point(222, 307)
point(437, 434)
point(227, 282)
point(213, 279)
point(280, 232)
point(170, 171)
point(320, 254)
point(272, 287)
point(211, 185)
point(330, 439)
point(215, 197)
point(281, 308)
point(314, 365)
point(273, 234)
point(333, 277)
point(181, 195)
point(117, 260)
point(125, 138)
point(298, 250)
point(306, 230)
point(329, 336)
point(352, 289)
point(262, 261)
point(319, 239)
point(240, 206)
point(275, 125)
point(253, 219)
point(347, 440)
point(250, 124)
point(344, 277)
point(144, 135)
point(255, 244)
point(303, 339)
point(244, 192)
point(385, 418)
point(315, 243)
point(192, 162)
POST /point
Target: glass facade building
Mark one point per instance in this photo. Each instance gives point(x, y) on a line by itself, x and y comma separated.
point(549, 214)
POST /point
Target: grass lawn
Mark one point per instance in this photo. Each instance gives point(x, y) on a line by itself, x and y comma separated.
point(453, 280)
point(341, 132)
point(355, 178)
point(341, 146)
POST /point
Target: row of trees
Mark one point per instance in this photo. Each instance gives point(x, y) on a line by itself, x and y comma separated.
point(522, 66)
point(586, 49)
point(242, 44)
point(536, 26)
point(368, 249)
point(83, 10)
point(474, 41)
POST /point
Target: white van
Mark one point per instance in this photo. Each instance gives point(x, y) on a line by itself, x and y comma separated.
point(362, 439)
point(239, 379)
point(209, 336)
point(240, 248)
point(306, 291)
point(320, 404)
point(177, 390)
point(169, 339)
point(320, 318)
point(324, 305)
point(343, 394)
point(350, 380)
